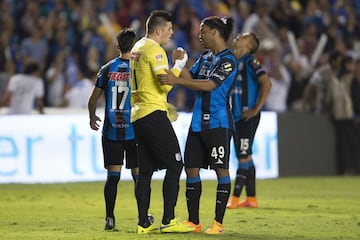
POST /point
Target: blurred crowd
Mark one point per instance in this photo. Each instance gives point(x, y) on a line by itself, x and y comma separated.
point(71, 39)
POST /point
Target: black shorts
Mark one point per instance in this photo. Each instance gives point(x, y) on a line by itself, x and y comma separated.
point(244, 136)
point(158, 145)
point(208, 148)
point(113, 152)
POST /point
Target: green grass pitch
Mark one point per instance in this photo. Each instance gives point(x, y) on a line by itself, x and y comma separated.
point(289, 208)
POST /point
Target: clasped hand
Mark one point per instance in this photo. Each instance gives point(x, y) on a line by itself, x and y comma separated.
point(180, 58)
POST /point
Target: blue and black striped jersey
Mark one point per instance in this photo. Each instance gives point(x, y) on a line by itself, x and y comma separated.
point(114, 79)
point(246, 91)
point(212, 109)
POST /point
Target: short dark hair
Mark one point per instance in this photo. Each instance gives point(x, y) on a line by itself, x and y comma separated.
point(157, 18)
point(224, 25)
point(126, 40)
point(31, 67)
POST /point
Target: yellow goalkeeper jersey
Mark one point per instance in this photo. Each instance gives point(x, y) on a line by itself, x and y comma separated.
point(148, 59)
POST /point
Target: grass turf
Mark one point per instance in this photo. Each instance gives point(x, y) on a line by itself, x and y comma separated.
point(289, 208)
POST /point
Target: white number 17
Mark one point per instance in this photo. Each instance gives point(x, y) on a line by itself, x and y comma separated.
point(119, 91)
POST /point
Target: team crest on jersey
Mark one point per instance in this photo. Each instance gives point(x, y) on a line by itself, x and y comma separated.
point(227, 66)
point(255, 64)
point(178, 156)
point(159, 57)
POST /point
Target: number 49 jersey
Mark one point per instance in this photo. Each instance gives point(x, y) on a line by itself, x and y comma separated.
point(114, 79)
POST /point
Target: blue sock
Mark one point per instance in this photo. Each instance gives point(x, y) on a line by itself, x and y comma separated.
point(193, 179)
point(224, 180)
point(193, 193)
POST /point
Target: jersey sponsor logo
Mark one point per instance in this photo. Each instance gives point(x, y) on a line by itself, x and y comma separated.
point(204, 72)
point(119, 76)
point(206, 116)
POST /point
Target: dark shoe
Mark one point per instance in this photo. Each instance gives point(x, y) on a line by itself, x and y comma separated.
point(110, 223)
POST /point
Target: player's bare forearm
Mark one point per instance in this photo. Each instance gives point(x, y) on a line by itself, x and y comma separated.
point(265, 87)
point(198, 84)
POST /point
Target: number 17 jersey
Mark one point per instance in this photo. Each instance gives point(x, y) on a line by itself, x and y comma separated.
point(114, 79)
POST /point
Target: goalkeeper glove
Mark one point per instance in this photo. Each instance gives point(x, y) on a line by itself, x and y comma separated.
point(171, 112)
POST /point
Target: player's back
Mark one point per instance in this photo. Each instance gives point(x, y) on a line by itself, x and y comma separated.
point(113, 78)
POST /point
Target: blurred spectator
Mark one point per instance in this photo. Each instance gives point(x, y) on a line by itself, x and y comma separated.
point(260, 16)
point(108, 27)
point(341, 109)
point(240, 11)
point(35, 47)
point(92, 52)
point(288, 14)
point(25, 90)
point(78, 95)
point(129, 11)
point(56, 81)
point(317, 89)
point(7, 66)
point(278, 74)
point(355, 91)
point(299, 68)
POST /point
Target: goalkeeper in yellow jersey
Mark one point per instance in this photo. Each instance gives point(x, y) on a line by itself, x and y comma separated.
point(151, 117)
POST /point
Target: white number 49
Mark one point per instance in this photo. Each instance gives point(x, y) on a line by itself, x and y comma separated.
point(218, 153)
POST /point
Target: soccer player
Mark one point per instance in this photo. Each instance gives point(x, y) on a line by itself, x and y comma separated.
point(251, 90)
point(213, 75)
point(24, 90)
point(158, 144)
point(118, 136)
